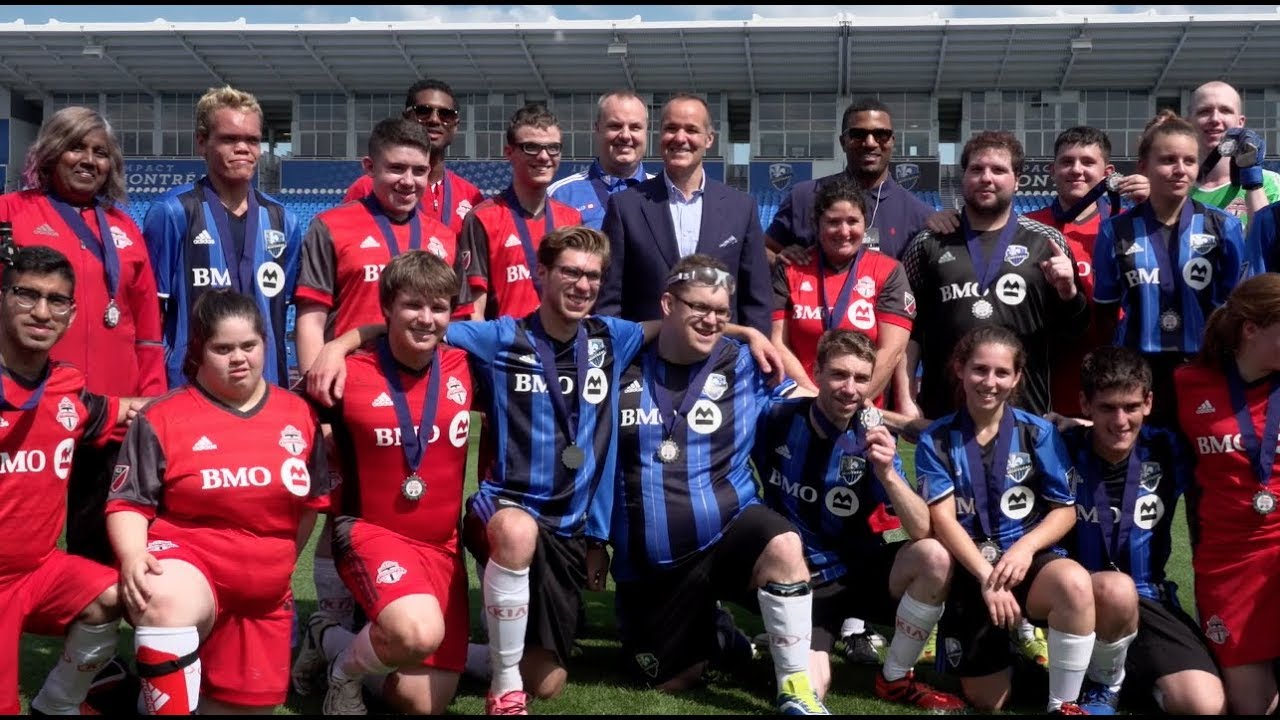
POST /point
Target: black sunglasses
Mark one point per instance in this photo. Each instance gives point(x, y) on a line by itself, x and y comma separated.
point(882, 135)
point(425, 111)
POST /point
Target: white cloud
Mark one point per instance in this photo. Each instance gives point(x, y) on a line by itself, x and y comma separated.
point(464, 13)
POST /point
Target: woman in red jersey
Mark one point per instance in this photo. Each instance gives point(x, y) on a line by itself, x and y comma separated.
point(216, 485)
point(844, 285)
point(74, 175)
point(1229, 409)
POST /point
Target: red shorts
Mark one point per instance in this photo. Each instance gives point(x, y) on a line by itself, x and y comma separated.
point(245, 660)
point(44, 601)
point(380, 566)
point(1238, 602)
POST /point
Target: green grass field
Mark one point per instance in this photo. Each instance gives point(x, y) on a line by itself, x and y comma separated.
point(594, 685)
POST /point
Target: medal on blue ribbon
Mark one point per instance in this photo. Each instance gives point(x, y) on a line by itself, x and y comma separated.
point(412, 443)
point(1168, 257)
point(985, 270)
point(1115, 531)
point(522, 227)
point(1260, 451)
point(832, 314)
point(669, 450)
point(240, 268)
point(1110, 186)
point(101, 244)
point(964, 433)
point(388, 232)
point(566, 414)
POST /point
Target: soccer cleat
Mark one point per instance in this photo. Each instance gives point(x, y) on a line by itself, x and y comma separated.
point(308, 667)
point(864, 648)
point(1098, 699)
point(908, 691)
point(930, 651)
point(1035, 649)
point(796, 697)
point(1069, 709)
point(345, 696)
point(512, 702)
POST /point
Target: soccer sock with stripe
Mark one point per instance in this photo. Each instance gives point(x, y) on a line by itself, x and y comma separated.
point(506, 611)
point(87, 649)
point(1106, 666)
point(175, 688)
point(788, 618)
point(914, 622)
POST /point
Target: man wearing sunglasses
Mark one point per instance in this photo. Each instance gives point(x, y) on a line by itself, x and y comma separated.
point(678, 213)
point(622, 134)
point(894, 215)
point(449, 197)
point(500, 238)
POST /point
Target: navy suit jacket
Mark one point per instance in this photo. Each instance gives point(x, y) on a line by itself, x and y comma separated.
point(642, 239)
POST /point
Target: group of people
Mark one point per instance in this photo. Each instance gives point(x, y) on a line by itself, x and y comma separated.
point(665, 391)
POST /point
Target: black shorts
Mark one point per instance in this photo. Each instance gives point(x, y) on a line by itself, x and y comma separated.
point(667, 616)
point(87, 491)
point(968, 644)
point(557, 577)
point(863, 592)
point(1168, 642)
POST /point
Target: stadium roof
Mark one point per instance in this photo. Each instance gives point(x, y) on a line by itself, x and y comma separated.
point(844, 54)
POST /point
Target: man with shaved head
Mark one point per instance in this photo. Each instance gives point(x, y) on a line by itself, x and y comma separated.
point(1235, 181)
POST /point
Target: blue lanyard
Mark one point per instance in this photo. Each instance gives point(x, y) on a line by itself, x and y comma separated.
point(662, 396)
point(101, 244)
point(241, 268)
point(389, 233)
point(831, 315)
point(1114, 541)
point(565, 415)
point(413, 444)
point(980, 479)
point(32, 401)
point(526, 241)
point(1167, 253)
point(986, 271)
point(1261, 453)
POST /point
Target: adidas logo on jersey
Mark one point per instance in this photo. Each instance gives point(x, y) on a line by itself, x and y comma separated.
point(806, 286)
point(1134, 249)
point(946, 257)
point(528, 359)
point(783, 452)
point(1205, 408)
point(46, 229)
point(4, 423)
point(204, 443)
point(204, 238)
point(512, 241)
point(634, 387)
point(369, 242)
point(383, 400)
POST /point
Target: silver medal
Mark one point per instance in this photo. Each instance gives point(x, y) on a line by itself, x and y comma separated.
point(1170, 321)
point(990, 551)
point(1113, 182)
point(1264, 503)
point(413, 487)
point(870, 418)
point(668, 451)
point(111, 317)
point(982, 308)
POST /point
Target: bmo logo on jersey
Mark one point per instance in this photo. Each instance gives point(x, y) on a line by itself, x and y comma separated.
point(218, 478)
point(1219, 444)
point(210, 277)
point(516, 273)
point(639, 416)
point(373, 272)
point(459, 428)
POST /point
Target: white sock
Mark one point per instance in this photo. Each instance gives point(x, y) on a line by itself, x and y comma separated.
point(853, 626)
point(333, 599)
point(176, 642)
point(506, 610)
point(358, 659)
point(86, 650)
point(477, 661)
point(790, 618)
point(1106, 666)
point(1068, 659)
point(1026, 631)
point(915, 620)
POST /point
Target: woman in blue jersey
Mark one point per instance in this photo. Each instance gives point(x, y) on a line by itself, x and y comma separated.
point(996, 481)
point(1168, 262)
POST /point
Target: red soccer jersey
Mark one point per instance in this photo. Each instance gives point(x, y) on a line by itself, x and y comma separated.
point(370, 444)
point(36, 446)
point(881, 293)
point(462, 196)
point(1064, 373)
point(492, 253)
point(343, 255)
point(1224, 473)
point(244, 479)
point(134, 344)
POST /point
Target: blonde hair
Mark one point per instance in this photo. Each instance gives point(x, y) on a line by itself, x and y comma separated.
point(60, 133)
point(225, 97)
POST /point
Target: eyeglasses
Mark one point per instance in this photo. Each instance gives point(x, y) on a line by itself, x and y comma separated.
point(27, 299)
point(699, 310)
point(882, 135)
point(425, 111)
point(709, 276)
point(573, 275)
point(532, 148)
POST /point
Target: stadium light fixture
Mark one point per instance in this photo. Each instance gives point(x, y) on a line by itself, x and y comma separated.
point(93, 50)
point(617, 47)
point(1081, 44)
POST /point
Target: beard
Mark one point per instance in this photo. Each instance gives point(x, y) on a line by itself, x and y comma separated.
point(995, 210)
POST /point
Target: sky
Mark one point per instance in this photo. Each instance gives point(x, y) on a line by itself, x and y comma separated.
point(39, 14)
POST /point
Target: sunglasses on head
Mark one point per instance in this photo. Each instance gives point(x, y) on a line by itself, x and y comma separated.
point(881, 135)
point(425, 111)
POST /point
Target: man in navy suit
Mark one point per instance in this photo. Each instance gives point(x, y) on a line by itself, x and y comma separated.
point(678, 213)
